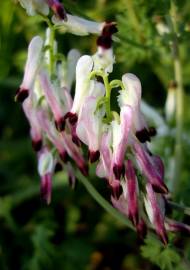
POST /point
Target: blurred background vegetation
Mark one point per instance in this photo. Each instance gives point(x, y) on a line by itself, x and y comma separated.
point(74, 232)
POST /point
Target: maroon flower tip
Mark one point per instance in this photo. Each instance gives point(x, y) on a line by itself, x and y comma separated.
point(141, 229)
point(84, 169)
point(162, 188)
point(46, 188)
point(152, 131)
point(134, 217)
point(37, 145)
point(76, 140)
point(58, 9)
point(73, 118)
point(109, 29)
point(118, 170)
point(105, 42)
point(60, 124)
point(93, 156)
point(116, 189)
point(21, 95)
point(58, 167)
point(143, 135)
point(64, 156)
point(163, 237)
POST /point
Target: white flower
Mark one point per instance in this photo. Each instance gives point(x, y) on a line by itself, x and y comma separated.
point(35, 6)
point(78, 26)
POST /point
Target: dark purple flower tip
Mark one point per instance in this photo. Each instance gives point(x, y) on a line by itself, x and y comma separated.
point(37, 145)
point(84, 169)
point(64, 156)
point(76, 140)
point(105, 42)
point(60, 124)
point(21, 95)
point(152, 131)
point(46, 187)
point(175, 226)
point(109, 29)
point(58, 167)
point(58, 9)
point(163, 237)
point(161, 188)
point(116, 189)
point(73, 118)
point(118, 170)
point(134, 217)
point(93, 156)
point(143, 135)
point(141, 229)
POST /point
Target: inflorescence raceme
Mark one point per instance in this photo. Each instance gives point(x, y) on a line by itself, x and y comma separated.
point(60, 125)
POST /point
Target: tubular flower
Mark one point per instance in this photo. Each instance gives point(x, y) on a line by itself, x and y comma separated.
point(45, 169)
point(31, 68)
point(62, 122)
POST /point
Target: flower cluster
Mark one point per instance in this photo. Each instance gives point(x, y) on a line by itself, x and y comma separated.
point(61, 124)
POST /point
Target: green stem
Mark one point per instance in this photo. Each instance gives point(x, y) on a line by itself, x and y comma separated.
point(185, 209)
point(108, 91)
point(101, 201)
point(51, 50)
point(116, 83)
point(179, 99)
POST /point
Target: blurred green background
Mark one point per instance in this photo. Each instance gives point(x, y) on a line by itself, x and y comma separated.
point(74, 232)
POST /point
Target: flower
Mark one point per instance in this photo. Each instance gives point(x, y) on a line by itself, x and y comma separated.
point(31, 68)
point(46, 168)
point(78, 26)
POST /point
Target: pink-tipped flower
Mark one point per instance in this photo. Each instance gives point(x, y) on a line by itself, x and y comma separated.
point(103, 169)
point(31, 68)
point(78, 26)
point(121, 204)
point(35, 128)
point(131, 96)
point(151, 167)
point(155, 208)
point(175, 226)
point(83, 69)
point(104, 57)
point(52, 100)
point(89, 127)
point(120, 139)
point(46, 168)
point(132, 193)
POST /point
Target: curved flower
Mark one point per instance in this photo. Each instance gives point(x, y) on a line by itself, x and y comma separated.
point(132, 193)
point(89, 127)
point(78, 26)
point(151, 167)
point(120, 139)
point(31, 68)
point(155, 208)
point(46, 168)
point(35, 128)
point(52, 100)
point(131, 96)
point(83, 69)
